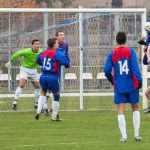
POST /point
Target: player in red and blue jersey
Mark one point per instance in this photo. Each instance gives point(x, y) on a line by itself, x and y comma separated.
point(127, 81)
point(51, 61)
point(63, 47)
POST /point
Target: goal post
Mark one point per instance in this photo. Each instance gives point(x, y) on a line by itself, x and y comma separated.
point(90, 33)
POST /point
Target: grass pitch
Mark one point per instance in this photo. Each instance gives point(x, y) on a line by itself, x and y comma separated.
point(87, 130)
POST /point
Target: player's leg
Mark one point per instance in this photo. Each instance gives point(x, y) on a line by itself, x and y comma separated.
point(134, 100)
point(55, 107)
point(18, 91)
point(122, 122)
point(35, 82)
point(36, 86)
point(45, 107)
point(147, 94)
point(40, 104)
point(22, 81)
point(47, 95)
point(136, 121)
point(55, 88)
point(46, 102)
point(120, 100)
point(42, 98)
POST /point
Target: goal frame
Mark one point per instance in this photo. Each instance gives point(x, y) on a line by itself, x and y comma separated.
point(81, 10)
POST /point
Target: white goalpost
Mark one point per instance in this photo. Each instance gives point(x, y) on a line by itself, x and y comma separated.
point(90, 33)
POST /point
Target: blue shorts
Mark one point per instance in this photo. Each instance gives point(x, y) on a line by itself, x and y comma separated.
point(49, 83)
point(132, 97)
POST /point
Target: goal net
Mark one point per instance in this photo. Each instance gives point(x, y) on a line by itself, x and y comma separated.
point(90, 34)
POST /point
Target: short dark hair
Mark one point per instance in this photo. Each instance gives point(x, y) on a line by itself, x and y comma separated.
point(35, 40)
point(121, 38)
point(58, 32)
point(51, 42)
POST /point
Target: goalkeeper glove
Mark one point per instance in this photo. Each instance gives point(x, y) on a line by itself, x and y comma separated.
point(139, 84)
point(8, 64)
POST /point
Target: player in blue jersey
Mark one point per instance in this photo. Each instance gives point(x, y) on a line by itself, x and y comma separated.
point(146, 59)
point(126, 79)
point(145, 62)
point(51, 61)
point(63, 47)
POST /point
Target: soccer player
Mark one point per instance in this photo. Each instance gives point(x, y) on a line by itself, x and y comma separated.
point(146, 59)
point(28, 69)
point(126, 79)
point(145, 40)
point(51, 61)
point(147, 92)
point(63, 47)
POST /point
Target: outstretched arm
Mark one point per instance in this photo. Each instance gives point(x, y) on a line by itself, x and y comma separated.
point(108, 68)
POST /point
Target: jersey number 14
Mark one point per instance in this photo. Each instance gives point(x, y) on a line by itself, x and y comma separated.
point(123, 67)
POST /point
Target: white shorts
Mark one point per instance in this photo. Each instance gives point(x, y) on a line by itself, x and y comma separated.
point(28, 73)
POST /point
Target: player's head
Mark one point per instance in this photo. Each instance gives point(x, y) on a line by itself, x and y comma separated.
point(52, 43)
point(121, 38)
point(60, 36)
point(36, 45)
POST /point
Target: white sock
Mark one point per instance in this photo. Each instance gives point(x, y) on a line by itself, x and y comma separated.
point(36, 95)
point(122, 125)
point(47, 94)
point(55, 107)
point(136, 122)
point(17, 93)
point(40, 104)
point(45, 106)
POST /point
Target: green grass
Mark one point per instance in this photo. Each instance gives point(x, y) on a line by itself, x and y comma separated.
point(87, 130)
point(66, 103)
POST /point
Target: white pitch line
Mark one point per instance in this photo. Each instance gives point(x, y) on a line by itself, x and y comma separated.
point(64, 143)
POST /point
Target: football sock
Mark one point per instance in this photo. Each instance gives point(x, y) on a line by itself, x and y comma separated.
point(122, 125)
point(136, 122)
point(37, 95)
point(17, 93)
point(40, 104)
point(45, 106)
point(55, 107)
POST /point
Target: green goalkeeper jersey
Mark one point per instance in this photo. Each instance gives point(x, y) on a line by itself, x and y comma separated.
point(29, 57)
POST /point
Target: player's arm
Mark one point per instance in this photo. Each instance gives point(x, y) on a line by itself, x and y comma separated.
point(18, 54)
point(135, 67)
point(108, 67)
point(38, 59)
point(145, 59)
point(15, 56)
point(63, 59)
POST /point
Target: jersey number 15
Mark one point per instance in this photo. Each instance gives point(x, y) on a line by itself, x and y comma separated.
point(47, 63)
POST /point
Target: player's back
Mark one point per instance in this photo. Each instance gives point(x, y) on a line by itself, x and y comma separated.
point(51, 61)
point(124, 78)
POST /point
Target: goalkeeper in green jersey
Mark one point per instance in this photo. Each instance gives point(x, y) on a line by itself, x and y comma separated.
point(28, 70)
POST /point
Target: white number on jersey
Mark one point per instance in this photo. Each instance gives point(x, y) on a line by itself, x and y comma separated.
point(123, 67)
point(47, 63)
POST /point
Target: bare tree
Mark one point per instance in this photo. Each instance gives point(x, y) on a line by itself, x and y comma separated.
point(51, 3)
